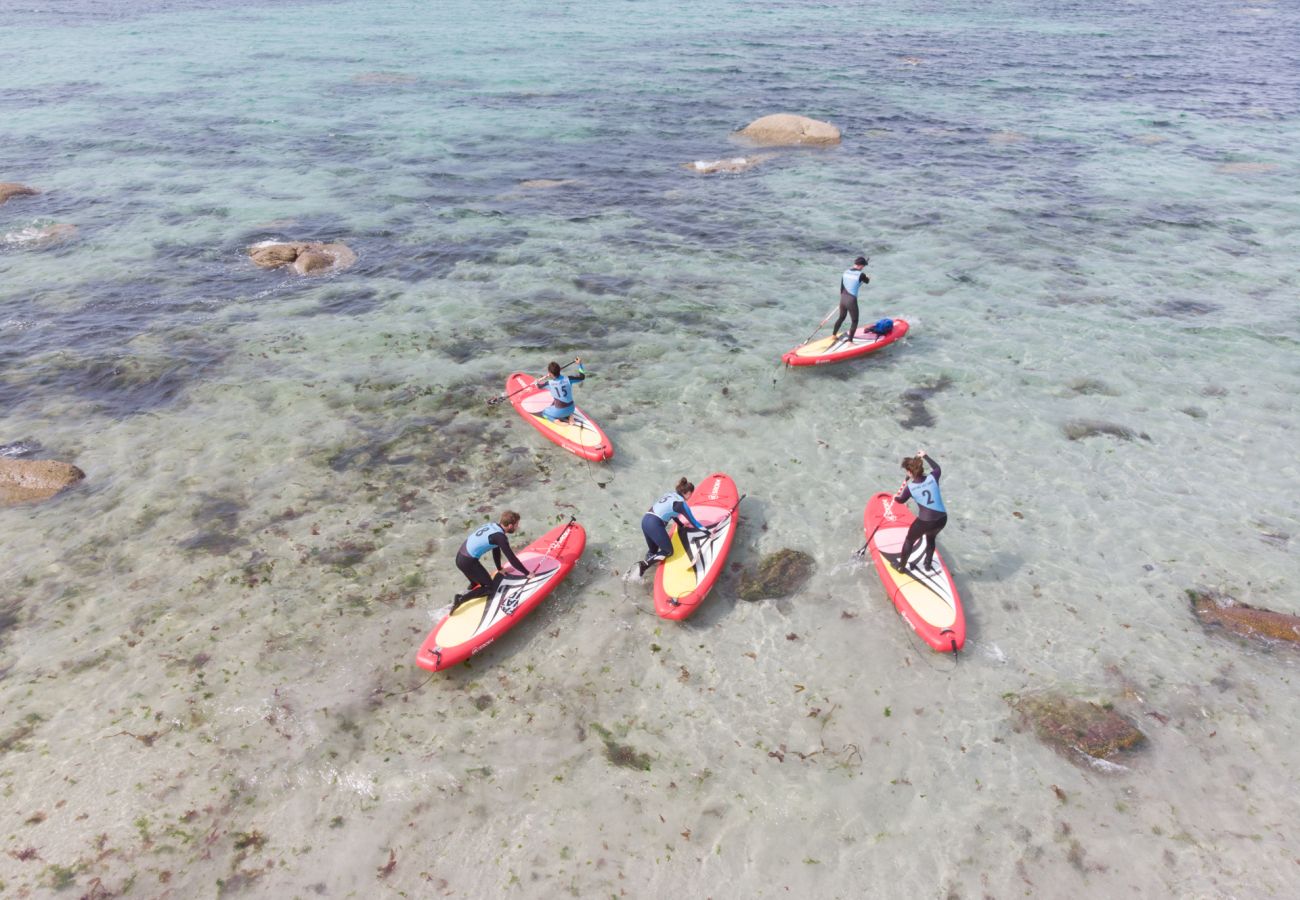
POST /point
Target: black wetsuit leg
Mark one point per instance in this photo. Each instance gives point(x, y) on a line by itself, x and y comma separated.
point(656, 535)
point(922, 528)
point(849, 308)
point(481, 583)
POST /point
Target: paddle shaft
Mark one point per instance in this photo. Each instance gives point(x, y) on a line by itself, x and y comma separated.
point(493, 401)
point(863, 550)
point(834, 310)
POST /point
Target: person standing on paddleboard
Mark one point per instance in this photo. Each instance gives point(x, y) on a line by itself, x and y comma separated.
point(561, 388)
point(931, 514)
point(850, 283)
point(654, 524)
point(491, 536)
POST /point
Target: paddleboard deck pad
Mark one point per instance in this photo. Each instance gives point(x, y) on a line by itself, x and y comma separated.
point(927, 601)
point(479, 622)
point(831, 349)
point(682, 582)
point(580, 435)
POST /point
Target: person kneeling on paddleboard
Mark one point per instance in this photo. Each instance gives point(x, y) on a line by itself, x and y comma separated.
point(491, 536)
point(931, 514)
point(654, 524)
point(850, 283)
point(561, 388)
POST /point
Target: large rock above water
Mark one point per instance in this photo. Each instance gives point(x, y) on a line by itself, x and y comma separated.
point(1073, 726)
point(307, 258)
point(779, 574)
point(13, 189)
point(29, 480)
point(785, 129)
point(1223, 612)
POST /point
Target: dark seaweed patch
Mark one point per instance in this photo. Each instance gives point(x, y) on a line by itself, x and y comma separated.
point(219, 511)
point(346, 301)
point(1079, 429)
point(1092, 386)
point(1180, 308)
point(918, 414)
point(602, 285)
point(217, 543)
point(116, 384)
point(346, 554)
point(9, 610)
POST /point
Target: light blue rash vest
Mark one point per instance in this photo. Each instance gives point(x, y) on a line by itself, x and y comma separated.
point(663, 507)
point(480, 542)
point(852, 280)
point(926, 493)
point(561, 389)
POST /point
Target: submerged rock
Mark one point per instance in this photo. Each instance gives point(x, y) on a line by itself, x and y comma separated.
point(1091, 386)
point(541, 184)
point(42, 236)
point(13, 189)
point(726, 166)
point(1247, 168)
point(1220, 611)
point(30, 480)
point(785, 129)
point(383, 78)
point(307, 258)
point(1007, 137)
point(1078, 429)
point(1069, 724)
point(779, 574)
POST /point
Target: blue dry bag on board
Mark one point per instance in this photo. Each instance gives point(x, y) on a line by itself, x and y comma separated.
point(884, 326)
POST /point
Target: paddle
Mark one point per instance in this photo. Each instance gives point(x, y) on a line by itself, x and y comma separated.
point(493, 401)
point(889, 505)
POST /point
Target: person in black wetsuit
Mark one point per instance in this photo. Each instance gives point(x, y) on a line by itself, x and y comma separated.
point(654, 524)
point(492, 536)
point(931, 514)
point(850, 283)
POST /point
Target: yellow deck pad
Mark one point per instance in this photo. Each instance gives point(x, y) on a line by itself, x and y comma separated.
point(679, 572)
point(584, 435)
point(929, 605)
point(463, 623)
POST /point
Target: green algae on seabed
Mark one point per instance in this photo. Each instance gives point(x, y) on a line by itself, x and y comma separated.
point(1068, 724)
point(622, 754)
point(1264, 625)
point(779, 574)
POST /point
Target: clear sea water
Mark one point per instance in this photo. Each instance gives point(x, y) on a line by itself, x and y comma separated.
point(207, 684)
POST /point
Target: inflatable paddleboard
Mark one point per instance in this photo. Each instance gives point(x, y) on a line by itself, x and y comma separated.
point(479, 622)
point(928, 602)
point(681, 583)
point(831, 349)
point(581, 436)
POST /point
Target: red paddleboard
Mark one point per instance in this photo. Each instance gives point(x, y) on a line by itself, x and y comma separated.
point(581, 436)
point(681, 583)
point(832, 350)
point(928, 602)
point(479, 622)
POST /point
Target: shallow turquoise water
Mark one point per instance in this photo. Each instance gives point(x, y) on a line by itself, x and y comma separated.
point(279, 470)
